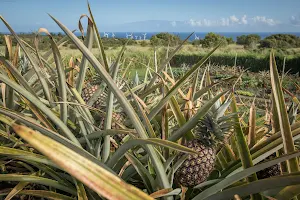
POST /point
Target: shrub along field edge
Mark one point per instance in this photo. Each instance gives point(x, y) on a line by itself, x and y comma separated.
point(252, 62)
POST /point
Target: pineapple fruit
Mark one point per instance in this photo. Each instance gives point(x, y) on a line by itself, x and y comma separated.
point(118, 117)
point(196, 168)
point(274, 170)
point(88, 92)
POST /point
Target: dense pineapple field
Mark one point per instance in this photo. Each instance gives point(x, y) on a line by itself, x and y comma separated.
point(88, 130)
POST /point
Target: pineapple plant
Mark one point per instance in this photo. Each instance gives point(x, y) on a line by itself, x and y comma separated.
point(118, 117)
point(196, 168)
point(210, 131)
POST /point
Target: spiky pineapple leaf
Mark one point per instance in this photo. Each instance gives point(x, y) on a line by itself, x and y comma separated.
point(259, 154)
point(99, 134)
point(162, 177)
point(19, 187)
point(93, 175)
point(256, 187)
point(60, 43)
point(17, 75)
point(195, 119)
point(165, 62)
point(84, 62)
point(42, 107)
point(153, 141)
point(166, 193)
point(243, 174)
point(109, 108)
point(41, 77)
point(37, 180)
point(142, 171)
point(62, 90)
point(42, 194)
point(288, 192)
point(53, 135)
point(99, 42)
point(175, 88)
point(293, 165)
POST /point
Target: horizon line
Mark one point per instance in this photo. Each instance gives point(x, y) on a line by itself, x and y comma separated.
point(169, 32)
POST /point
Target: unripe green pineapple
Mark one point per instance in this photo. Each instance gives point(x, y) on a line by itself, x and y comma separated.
point(196, 168)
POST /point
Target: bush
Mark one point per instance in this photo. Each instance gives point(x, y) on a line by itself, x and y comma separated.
point(248, 61)
point(72, 46)
point(165, 39)
point(44, 40)
point(251, 40)
point(230, 40)
point(115, 42)
point(282, 41)
point(268, 43)
point(212, 39)
point(241, 39)
point(143, 43)
point(196, 42)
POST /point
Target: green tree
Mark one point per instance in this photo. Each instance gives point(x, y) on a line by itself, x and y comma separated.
point(155, 41)
point(164, 39)
point(251, 40)
point(212, 39)
point(230, 40)
point(143, 43)
point(281, 41)
point(241, 39)
point(196, 42)
point(268, 43)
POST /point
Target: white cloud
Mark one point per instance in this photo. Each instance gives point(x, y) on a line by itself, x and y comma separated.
point(173, 23)
point(295, 20)
point(207, 22)
point(220, 22)
point(234, 19)
point(225, 22)
point(193, 22)
point(244, 20)
point(265, 20)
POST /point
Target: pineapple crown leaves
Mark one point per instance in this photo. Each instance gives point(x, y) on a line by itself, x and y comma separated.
point(213, 127)
point(208, 132)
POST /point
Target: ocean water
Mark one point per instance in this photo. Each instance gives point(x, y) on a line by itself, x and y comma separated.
point(183, 35)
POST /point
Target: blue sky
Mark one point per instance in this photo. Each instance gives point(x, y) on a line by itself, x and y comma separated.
point(157, 15)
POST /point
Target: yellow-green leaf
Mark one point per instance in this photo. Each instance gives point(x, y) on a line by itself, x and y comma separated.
point(89, 173)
